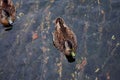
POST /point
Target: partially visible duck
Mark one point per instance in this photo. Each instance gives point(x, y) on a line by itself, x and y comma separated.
point(7, 13)
point(64, 39)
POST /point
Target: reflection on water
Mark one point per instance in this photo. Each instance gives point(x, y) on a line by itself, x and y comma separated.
point(96, 25)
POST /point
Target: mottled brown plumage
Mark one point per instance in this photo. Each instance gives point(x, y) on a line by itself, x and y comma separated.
point(64, 39)
point(7, 13)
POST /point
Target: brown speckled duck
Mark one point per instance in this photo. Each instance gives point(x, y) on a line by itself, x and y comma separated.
point(64, 39)
point(7, 13)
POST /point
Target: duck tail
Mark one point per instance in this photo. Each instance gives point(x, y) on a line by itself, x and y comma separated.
point(8, 28)
point(5, 1)
point(70, 58)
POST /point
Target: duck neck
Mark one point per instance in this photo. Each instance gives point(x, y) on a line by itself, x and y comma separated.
point(63, 29)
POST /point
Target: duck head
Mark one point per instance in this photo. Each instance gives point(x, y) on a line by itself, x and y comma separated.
point(60, 24)
point(69, 51)
point(59, 20)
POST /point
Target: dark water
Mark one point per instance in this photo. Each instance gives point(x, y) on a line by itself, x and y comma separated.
point(96, 24)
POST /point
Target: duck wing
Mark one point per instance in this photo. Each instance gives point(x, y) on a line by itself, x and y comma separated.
point(58, 40)
point(70, 35)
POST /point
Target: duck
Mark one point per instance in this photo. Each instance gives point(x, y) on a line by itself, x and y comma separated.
point(64, 39)
point(7, 14)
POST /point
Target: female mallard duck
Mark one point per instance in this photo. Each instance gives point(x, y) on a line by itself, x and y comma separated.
point(7, 13)
point(64, 39)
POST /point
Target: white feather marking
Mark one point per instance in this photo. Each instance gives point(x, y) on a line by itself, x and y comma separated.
point(10, 20)
point(66, 46)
